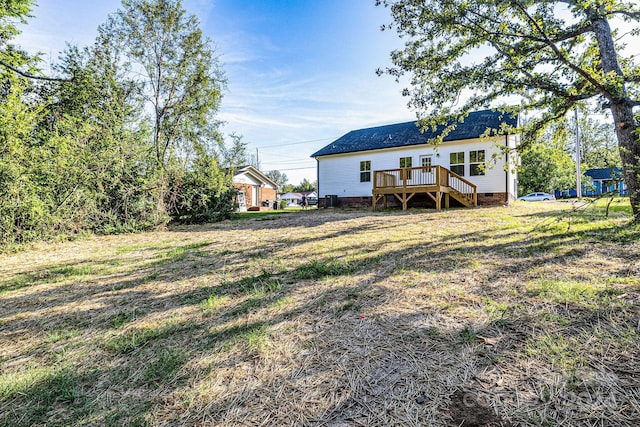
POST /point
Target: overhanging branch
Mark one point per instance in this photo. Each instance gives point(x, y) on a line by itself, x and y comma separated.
point(631, 14)
point(31, 76)
point(603, 90)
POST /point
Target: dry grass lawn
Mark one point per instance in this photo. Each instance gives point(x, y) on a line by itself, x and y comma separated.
point(527, 315)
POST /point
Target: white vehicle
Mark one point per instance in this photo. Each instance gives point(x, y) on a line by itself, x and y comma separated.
point(536, 197)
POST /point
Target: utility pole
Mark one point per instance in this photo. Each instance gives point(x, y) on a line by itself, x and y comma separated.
point(578, 174)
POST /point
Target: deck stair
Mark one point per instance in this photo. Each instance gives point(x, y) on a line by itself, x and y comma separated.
point(437, 182)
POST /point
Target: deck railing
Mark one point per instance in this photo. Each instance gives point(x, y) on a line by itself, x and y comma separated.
point(406, 177)
point(423, 176)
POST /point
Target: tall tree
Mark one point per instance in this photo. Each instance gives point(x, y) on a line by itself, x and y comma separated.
point(180, 77)
point(236, 154)
point(101, 115)
point(306, 185)
point(278, 177)
point(551, 54)
point(598, 146)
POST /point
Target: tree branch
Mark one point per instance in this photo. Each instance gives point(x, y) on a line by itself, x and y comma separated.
point(570, 33)
point(630, 14)
point(559, 54)
point(31, 76)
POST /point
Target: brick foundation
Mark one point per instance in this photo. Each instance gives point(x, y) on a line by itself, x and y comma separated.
point(350, 202)
point(487, 199)
point(484, 199)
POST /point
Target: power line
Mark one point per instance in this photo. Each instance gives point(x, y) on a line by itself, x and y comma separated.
point(299, 142)
point(279, 156)
point(297, 169)
point(288, 161)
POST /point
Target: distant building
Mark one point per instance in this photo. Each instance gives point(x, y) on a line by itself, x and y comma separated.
point(602, 181)
point(292, 199)
point(605, 180)
point(255, 189)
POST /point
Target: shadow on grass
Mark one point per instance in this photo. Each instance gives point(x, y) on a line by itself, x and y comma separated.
point(159, 354)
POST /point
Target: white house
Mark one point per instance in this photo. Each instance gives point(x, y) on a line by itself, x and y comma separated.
point(397, 161)
point(293, 199)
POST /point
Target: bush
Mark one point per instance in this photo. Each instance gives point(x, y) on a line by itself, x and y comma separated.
point(205, 194)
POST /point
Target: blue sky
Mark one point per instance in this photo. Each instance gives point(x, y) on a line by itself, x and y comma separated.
point(300, 72)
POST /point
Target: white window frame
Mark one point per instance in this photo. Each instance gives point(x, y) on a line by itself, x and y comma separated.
point(365, 171)
point(473, 165)
point(452, 165)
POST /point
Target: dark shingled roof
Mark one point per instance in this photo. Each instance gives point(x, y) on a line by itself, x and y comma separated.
point(603, 173)
point(408, 133)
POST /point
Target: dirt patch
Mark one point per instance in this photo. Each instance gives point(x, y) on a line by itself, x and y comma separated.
point(468, 410)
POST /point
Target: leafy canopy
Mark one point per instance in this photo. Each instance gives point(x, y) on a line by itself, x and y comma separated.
point(464, 55)
point(542, 55)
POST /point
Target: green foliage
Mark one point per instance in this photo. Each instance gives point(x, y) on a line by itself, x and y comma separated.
point(109, 151)
point(549, 56)
point(11, 11)
point(278, 177)
point(206, 193)
point(545, 169)
point(181, 81)
point(598, 147)
point(24, 213)
point(305, 185)
point(287, 188)
point(236, 155)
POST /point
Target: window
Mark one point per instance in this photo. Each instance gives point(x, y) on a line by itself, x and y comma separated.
point(365, 171)
point(405, 162)
point(456, 163)
point(476, 162)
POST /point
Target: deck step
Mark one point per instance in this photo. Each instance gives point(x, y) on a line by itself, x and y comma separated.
point(461, 197)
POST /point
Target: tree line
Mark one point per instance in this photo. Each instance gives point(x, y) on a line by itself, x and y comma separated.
point(547, 163)
point(123, 138)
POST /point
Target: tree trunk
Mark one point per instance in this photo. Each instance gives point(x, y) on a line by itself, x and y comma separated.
point(622, 111)
point(629, 152)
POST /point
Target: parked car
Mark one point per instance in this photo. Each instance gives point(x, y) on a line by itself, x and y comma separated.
point(535, 197)
point(312, 201)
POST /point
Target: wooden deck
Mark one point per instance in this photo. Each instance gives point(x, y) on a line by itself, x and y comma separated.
point(436, 182)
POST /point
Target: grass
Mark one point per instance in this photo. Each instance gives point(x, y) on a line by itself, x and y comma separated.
point(330, 317)
point(577, 293)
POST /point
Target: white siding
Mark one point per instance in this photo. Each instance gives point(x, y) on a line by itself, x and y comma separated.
point(245, 178)
point(340, 174)
point(513, 163)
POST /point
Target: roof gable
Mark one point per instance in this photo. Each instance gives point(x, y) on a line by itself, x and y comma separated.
point(409, 133)
point(255, 174)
